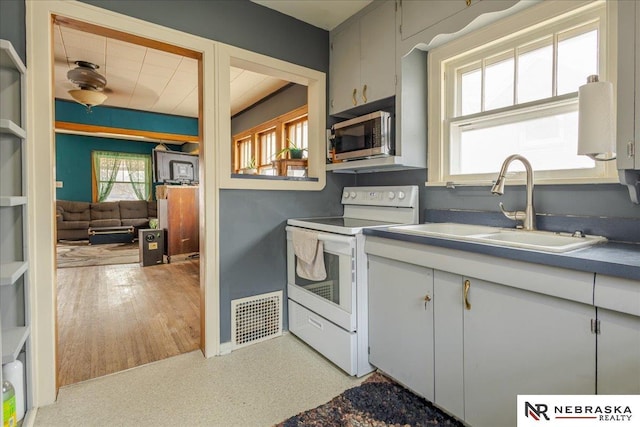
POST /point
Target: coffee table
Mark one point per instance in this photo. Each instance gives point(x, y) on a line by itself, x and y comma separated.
point(116, 234)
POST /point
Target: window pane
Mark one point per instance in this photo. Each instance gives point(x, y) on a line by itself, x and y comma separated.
point(121, 191)
point(549, 143)
point(267, 147)
point(471, 92)
point(244, 151)
point(577, 59)
point(297, 132)
point(498, 85)
point(535, 72)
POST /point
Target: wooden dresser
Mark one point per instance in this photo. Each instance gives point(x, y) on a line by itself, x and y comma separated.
point(178, 216)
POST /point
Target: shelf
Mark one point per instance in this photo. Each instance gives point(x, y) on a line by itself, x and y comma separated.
point(12, 201)
point(10, 272)
point(9, 57)
point(13, 340)
point(7, 126)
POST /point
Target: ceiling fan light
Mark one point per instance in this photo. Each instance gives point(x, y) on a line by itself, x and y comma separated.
point(88, 98)
point(86, 76)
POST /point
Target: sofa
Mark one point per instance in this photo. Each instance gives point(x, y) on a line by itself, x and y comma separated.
point(73, 219)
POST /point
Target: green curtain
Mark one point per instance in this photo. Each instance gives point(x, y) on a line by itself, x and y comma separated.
point(106, 165)
point(139, 168)
point(105, 171)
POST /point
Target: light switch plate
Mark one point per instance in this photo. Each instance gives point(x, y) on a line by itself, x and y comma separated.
point(58, 184)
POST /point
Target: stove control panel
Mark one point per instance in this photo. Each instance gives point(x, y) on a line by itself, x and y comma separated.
point(395, 196)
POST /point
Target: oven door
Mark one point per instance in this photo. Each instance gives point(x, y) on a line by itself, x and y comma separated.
point(333, 298)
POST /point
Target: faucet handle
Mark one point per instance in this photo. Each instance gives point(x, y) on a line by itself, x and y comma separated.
point(513, 215)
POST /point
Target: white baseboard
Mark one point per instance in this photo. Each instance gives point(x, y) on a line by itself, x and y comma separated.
point(225, 348)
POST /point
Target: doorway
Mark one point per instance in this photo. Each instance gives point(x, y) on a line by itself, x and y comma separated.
point(113, 316)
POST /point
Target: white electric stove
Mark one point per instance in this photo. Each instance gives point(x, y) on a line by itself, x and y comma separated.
point(331, 315)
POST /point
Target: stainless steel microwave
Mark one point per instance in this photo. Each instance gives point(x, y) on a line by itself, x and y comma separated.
point(364, 136)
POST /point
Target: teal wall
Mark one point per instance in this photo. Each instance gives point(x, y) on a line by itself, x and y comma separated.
point(73, 152)
point(68, 111)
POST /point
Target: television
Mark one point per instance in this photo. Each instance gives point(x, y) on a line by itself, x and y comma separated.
point(175, 167)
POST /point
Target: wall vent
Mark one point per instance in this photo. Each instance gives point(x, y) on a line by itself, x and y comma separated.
point(255, 319)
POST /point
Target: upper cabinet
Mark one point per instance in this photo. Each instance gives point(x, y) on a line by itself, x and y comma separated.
point(418, 15)
point(628, 96)
point(362, 67)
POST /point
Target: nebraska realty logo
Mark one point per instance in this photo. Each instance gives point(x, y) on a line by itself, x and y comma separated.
point(578, 410)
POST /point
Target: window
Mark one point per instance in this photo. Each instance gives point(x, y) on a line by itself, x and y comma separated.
point(256, 149)
point(505, 90)
point(298, 135)
point(121, 176)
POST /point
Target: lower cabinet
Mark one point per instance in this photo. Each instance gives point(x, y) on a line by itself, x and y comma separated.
point(618, 353)
point(520, 342)
point(618, 304)
point(474, 345)
point(401, 323)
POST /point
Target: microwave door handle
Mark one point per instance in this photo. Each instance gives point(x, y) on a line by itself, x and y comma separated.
point(388, 134)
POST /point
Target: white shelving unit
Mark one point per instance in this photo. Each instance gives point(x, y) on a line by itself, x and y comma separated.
point(15, 330)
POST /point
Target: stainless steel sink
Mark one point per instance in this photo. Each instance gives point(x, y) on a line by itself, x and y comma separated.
point(545, 241)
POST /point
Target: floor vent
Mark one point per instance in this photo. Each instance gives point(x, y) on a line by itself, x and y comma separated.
point(255, 319)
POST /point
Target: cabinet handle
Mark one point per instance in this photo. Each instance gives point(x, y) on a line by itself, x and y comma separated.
point(353, 95)
point(427, 298)
point(467, 285)
point(364, 94)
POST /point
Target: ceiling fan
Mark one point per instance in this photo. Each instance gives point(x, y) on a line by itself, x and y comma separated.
point(91, 84)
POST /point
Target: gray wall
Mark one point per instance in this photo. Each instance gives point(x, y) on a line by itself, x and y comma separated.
point(239, 23)
point(12, 25)
point(252, 239)
point(252, 247)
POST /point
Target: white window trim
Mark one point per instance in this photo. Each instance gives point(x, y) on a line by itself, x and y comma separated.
point(509, 27)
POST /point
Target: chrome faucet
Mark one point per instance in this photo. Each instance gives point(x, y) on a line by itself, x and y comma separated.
point(528, 217)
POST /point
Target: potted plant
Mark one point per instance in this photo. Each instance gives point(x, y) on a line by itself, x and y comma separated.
point(294, 151)
point(250, 167)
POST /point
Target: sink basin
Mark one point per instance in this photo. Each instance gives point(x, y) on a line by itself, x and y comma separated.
point(445, 229)
point(541, 240)
point(545, 241)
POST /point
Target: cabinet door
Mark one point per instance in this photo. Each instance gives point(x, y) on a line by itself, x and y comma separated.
point(448, 342)
point(520, 342)
point(628, 113)
point(618, 353)
point(377, 54)
point(418, 15)
point(182, 221)
point(401, 322)
point(637, 83)
point(344, 77)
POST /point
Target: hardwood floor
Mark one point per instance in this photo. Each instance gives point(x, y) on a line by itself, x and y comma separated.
point(115, 317)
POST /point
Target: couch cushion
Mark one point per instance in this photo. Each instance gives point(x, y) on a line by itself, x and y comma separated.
point(73, 225)
point(133, 209)
point(74, 211)
point(105, 223)
point(105, 210)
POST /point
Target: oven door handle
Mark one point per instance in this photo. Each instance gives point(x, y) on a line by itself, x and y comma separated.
point(327, 237)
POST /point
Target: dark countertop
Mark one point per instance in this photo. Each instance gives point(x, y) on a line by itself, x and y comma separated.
point(611, 258)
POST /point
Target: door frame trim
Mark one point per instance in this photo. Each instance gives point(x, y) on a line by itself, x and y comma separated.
point(40, 151)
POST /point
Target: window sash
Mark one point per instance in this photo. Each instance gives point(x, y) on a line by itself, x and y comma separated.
point(468, 53)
